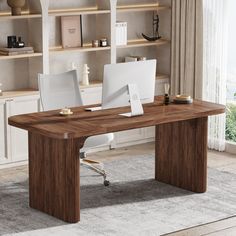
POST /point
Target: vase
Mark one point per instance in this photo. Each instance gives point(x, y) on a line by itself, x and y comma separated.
point(16, 6)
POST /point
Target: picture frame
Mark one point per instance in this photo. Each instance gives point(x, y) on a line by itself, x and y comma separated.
point(71, 31)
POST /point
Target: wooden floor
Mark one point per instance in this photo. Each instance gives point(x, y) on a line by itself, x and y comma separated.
point(221, 161)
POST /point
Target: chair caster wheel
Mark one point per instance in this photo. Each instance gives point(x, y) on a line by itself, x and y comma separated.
point(106, 183)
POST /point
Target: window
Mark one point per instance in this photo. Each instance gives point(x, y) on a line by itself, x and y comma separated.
point(231, 75)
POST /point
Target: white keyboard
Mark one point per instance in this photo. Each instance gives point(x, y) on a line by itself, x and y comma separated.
point(93, 109)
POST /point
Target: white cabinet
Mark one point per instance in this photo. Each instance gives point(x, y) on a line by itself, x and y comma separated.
point(3, 133)
point(14, 141)
point(91, 95)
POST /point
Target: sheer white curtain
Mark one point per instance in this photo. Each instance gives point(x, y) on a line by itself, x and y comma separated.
point(215, 65)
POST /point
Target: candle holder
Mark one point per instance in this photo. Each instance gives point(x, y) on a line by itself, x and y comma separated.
point(167, 97)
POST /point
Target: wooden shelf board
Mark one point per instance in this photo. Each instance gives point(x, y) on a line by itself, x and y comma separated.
point(144, 43)
point(141, 7)
point(36, 54)
point(77, 11)
point(162, 77)
point(92, 84)
point(19, 93)
point(25, 15)
point(85, 48)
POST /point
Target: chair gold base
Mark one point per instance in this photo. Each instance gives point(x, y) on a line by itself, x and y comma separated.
point(93, 165)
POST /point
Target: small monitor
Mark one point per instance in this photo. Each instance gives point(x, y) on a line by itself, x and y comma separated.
point(121, 79)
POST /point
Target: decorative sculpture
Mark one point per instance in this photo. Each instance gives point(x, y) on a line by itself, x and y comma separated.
point(85, 78)
point(16, 6)
point(156, 34)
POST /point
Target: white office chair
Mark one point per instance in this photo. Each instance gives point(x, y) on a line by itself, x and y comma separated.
point(60, 91)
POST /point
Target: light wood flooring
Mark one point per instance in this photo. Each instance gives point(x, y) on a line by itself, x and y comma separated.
point(221, 161)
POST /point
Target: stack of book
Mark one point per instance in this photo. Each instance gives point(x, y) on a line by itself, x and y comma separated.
point(16, 51)
point(121, 33)
point(135, 58)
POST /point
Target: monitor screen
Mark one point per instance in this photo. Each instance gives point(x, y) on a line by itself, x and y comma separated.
point(118, 76)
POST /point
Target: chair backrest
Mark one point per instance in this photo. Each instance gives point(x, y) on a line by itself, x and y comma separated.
point(60, 90)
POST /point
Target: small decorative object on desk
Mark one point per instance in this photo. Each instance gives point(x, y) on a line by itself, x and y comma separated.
point(66, 112)
point(103, 42)
point(0, 89)
point(16, 6)
point(95, 43)
point(183, 99)
point(156, 34)
point(85, 77)
point(167, 97)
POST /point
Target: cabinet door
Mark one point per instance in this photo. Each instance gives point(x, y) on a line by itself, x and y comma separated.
point(91, 95)
point(19, 137)
point(4, 157)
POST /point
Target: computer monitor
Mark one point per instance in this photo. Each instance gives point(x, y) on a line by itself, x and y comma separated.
point(131, 83)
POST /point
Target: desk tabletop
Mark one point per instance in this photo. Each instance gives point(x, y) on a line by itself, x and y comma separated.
point(85, 123)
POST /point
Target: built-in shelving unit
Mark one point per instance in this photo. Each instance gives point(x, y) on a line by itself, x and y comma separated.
point(25, 15)
point(77, 11)
point(162, 77)
point(144, 43)
point(93, 84)
point(29, 55)
point(19, 93)
point(85, 48)
point(20, 71)
point(140, 7)
point(99, 21)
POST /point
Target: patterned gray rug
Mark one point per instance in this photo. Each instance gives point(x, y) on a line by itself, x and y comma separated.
point(134, 204)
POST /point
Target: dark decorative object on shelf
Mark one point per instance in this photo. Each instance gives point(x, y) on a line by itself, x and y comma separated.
point(16, 6)
point(103, 42)
point(167, 97)
point(19, 43)
point(156, 34)
point(12, 42)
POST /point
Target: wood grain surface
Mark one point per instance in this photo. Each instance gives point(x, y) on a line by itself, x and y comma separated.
point(55, 142)
point(181, 154)
point(84, 123)
point(54, 176)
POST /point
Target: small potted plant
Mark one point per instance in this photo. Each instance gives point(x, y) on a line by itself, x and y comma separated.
point(16, 6)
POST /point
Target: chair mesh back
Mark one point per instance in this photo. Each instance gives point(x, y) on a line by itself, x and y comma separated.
point(59, 91)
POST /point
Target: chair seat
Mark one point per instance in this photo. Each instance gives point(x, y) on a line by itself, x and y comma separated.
point(97, 141)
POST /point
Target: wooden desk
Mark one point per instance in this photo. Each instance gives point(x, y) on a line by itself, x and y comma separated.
point(55, 142)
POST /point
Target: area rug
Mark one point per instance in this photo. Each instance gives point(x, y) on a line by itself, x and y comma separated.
point(134, 203)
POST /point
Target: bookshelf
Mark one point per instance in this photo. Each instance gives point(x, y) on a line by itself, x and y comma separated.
point(99, 16)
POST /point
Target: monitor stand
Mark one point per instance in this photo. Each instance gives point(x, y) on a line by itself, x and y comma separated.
point(135, 103)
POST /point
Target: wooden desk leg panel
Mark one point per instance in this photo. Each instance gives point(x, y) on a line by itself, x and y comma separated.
point(54, 176)
point(181, 154)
